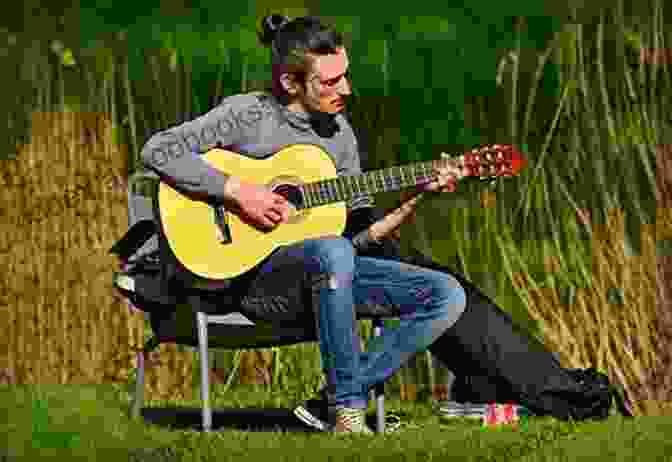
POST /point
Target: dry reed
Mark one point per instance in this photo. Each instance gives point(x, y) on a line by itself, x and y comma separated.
point(66, 325)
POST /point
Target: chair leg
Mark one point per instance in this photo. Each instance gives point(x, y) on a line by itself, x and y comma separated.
point(379, 388)
point(138, 400)
point(202, 322)
point(136, 405)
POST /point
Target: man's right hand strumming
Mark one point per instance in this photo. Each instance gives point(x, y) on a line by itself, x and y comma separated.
point(256, 205)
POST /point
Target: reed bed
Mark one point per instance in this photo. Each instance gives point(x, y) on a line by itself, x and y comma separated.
point(62, 216)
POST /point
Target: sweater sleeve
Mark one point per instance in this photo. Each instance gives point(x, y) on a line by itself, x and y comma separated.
point(175, 153)
point(356, 228)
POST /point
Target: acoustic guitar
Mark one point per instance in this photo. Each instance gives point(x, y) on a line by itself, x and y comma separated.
point(214, 243)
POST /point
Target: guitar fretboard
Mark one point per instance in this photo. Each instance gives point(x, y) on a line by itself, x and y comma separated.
point(384, 180)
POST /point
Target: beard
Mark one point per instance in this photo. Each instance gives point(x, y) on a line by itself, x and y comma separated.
point(324, 124)
point(323, 121)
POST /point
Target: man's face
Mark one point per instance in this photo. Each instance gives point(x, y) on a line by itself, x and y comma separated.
point(326, 85)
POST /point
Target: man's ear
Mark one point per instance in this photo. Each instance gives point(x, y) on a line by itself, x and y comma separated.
point(288, 83)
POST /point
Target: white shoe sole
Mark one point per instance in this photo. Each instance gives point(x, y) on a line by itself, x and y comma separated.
point(309, 419)
point(451, 410)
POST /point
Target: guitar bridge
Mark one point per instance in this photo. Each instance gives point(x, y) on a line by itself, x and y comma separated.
point(222, 225)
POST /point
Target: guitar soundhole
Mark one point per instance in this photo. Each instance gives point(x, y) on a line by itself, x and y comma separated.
point(290, 192)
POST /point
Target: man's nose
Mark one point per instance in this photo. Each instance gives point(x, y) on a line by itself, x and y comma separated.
point(344, 87)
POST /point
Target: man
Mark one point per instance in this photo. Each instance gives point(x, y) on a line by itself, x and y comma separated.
point(335, 279)
point(309, 93)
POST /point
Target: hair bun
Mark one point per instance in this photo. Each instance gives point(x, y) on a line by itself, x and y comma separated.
point(270, 26)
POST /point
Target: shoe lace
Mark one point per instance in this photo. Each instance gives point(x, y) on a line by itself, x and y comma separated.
point(352, 419)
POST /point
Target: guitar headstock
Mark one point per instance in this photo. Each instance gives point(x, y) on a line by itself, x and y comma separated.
point(491, 161)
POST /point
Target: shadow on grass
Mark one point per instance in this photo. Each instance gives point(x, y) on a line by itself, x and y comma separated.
point(223, 419)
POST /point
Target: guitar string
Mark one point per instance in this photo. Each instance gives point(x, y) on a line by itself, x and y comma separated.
point(325, 191)
point(335, 189)
point(328, 190)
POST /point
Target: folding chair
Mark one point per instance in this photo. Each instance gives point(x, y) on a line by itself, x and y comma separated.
point(197, 319)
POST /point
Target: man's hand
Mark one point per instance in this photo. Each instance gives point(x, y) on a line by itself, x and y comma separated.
point(445, 180)
point(256, 205)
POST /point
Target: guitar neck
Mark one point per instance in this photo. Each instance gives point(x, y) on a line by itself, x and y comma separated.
point(486, 163)
point(344, 188)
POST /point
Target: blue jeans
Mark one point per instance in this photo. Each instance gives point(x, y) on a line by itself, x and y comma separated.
point(427, 303)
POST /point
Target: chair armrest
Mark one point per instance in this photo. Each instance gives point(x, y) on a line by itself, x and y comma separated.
point(134, 239)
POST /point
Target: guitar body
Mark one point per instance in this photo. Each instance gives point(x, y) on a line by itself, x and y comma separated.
point(214, 243)
point(191, 229)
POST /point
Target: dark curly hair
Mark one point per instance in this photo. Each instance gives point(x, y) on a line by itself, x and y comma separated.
point(292, 43)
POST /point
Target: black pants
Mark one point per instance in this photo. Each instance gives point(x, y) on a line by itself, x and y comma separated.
point(512, 366)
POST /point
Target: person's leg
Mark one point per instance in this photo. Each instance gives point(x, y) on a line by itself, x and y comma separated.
point(427, 303)
point(314, 274)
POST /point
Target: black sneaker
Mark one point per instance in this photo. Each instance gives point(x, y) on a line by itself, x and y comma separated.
point(320, 413)
point(317, 412)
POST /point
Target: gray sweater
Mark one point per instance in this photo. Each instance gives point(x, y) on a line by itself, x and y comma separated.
point(255, 125)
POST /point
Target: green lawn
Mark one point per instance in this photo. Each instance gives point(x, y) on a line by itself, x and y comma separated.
point(90, 423)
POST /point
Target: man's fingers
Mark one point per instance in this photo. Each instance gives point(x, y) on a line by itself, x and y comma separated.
point(444, 184)
point(272, 217)
point(452, 184)
point(278, 199)
point(431, 187)
point(278, 214)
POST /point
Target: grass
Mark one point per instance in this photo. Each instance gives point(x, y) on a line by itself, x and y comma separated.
point(90, 423)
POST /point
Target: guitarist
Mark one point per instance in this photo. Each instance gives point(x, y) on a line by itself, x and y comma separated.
point(333, 280)
point(310, 80)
